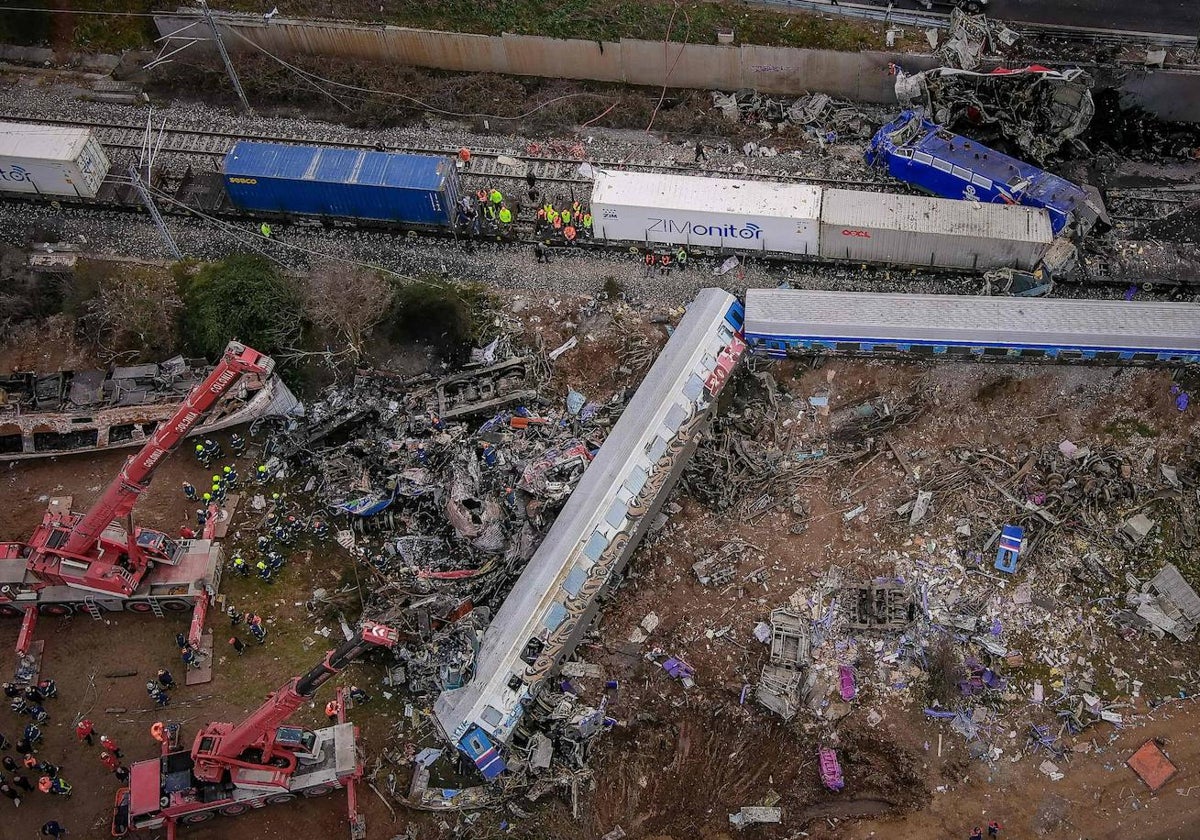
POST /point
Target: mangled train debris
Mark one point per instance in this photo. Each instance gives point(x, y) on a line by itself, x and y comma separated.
point(87, 410)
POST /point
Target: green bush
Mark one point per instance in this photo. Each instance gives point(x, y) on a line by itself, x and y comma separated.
point(244, 298)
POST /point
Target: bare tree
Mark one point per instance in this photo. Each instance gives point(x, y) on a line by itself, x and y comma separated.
point(136, 309)
point(348, 301)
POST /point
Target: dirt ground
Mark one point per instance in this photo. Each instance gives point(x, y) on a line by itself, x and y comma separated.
point(679, 761)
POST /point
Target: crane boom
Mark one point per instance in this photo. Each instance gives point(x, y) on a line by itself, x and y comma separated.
point(122, 494)
point(220, 746)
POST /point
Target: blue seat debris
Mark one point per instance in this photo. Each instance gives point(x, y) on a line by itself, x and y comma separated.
point(1012, 538)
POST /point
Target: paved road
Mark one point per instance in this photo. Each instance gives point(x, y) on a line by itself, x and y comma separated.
point(1173, 17)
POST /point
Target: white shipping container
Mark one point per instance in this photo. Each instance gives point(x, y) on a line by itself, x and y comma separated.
point(938, 232)
point(711, 212)
point(51, 160)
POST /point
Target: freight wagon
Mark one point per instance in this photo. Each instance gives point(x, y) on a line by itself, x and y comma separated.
point(706, 212)
point(51, 161)
point(412, 190)
point(922, 153)
point(933, 232)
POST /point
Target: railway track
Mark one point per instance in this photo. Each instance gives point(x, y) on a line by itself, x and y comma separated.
point(484, 163)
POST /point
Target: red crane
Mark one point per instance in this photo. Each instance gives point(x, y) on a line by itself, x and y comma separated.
point(222, 749)
point(232, 768)
point(98, 553)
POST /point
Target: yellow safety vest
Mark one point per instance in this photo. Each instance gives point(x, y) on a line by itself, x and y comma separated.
point(505, 215)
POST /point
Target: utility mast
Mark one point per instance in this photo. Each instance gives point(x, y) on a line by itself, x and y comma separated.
point(233, 76)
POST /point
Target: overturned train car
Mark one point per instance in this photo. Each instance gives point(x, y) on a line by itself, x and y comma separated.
point(618, 497)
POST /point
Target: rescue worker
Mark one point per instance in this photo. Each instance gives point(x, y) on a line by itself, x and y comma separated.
point(207, 499)
point(60, 787)
point(48, 689)
point(264, 571)
point(359, 696)
point(540, 223)
point(320, 529)
point(11, 689)
point(239, 565)
point(265, 230)
point(587, 224)
point(189, 658)
point(496, 197)
point(22, 782)
point(261, 474)
point(39, 713)
point(295, 525)
point(237, 644)
point(186, 533)
point(229, 476)
point(994, 828)
point(201, 518)
point(569, 234)
point(189, 491)
point(506, 218)
point(650, 260)
point(681, 257)
point(32, 733)
point(122, 774)
point(664, 264)
point(110, 761)
point(539, 250)
point(700, 154)
point(487, 453)
point(201, 455)
point(53, 828)
point(331, 711)
point(165, 679)
point(977, 834)
point(84, 730)
point(237, 443)
point(10, 792)
point(259, 633)
point(235, 616)
point(158, 732)
point(263, 542)
point(213, 448)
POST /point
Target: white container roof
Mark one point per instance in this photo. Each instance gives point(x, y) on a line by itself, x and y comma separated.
point(710, 195)
point(945, 216)
point(42, 142)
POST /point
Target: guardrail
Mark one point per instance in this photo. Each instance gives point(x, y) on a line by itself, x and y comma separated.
point(927, 20)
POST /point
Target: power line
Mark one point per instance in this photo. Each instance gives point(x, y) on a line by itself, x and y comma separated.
point(83, 12)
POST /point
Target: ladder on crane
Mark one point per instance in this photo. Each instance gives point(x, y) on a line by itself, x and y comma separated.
point(93, 609)
point(156, 607)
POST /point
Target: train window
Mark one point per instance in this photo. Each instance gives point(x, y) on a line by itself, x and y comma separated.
point(959, 172)
point(1069, 354)
point(616, 513)
point(958, 350)
point(1033, 353)
point(1109, 356)
point(923, 157)
point(922, 350)
point(1145, 357)
point(995, 351)
point(980, 181)
point(942, 165)
point(491, 715)
point(656, 448)
point(575, 579)
point(693, 388)
point(847, 346)
point(595, 546)
point(904, 153)
point(677, 415)
point(636, 480)
point(554, 616)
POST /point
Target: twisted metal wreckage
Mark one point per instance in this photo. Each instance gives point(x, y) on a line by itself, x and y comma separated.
point(487, 543)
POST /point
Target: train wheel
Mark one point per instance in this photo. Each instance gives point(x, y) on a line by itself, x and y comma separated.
point(176, 605)
point(56, 609)
point(280, 798)
point(139, 607)
point(233, 810)
point(198, 817)
point(9, 611)
point(319, 790)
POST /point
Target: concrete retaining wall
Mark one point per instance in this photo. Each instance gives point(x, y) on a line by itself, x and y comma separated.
point(860, 76)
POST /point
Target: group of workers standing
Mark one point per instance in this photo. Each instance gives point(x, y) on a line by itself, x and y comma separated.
point(665, 260)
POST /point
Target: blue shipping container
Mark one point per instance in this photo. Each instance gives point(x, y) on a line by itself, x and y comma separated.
point(342, 183)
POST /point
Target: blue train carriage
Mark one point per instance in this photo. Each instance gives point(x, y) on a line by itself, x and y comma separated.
point(919, 152)
point(783, 322)
point(343, 185)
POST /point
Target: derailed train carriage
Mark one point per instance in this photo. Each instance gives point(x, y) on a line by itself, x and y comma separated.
point(557, 595)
